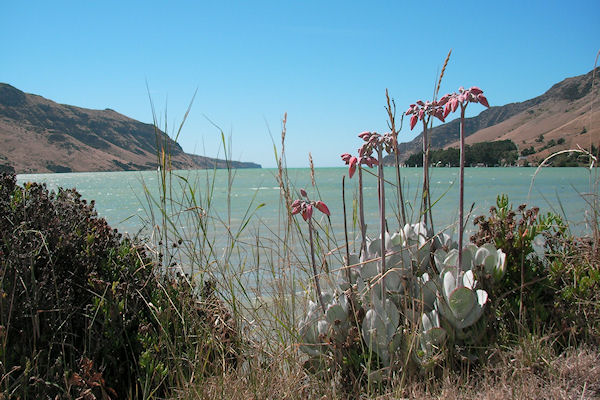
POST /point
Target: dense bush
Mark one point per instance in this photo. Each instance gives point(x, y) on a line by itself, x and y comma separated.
point(84, 311)
point(575, 273)
point(553, 288)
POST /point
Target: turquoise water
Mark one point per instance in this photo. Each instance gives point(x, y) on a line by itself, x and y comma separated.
point(120, 196)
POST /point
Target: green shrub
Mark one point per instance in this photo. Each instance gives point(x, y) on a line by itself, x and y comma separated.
point(575, 273)
point(84, 311)
point(526, 296)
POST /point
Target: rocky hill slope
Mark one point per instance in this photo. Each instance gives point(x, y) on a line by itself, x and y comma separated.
point(38, 135)
point(568, 111)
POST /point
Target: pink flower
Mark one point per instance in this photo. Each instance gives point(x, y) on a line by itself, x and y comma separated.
point(296, 207)
point(413, 121)
point(483, 100)
point(307, 211)
point(451, 101)
point(305, 208)
point(351, 161)
point(365, 135)
point(322, 207)
point(422, 109)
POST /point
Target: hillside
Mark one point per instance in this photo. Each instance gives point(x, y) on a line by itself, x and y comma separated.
point(564, 111)
point(39, 135)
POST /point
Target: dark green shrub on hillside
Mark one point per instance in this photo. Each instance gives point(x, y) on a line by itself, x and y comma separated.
point(527, 151)
point(501, 152)
point(84, 311)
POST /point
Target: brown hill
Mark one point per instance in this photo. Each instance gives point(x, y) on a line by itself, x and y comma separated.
point(38, 135)
point(564, 111)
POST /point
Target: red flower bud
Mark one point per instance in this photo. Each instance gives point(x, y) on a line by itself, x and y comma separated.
point(475, 90)
point(364, 135)
point(353, 162)
point(296, 207)
point(482, 99)
point(303, 193)
point(413, 121)
point(322, 207)
point(446, 110)
point(307, 212)
point(454, 104)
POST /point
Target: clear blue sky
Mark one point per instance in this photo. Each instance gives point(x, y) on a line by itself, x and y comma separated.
point(326, 63)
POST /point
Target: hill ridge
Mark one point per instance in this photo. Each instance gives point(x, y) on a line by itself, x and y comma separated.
point(563, 104)
point(40, 135)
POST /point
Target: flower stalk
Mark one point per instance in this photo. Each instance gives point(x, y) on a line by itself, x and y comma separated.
point(305, 208)
point(451, 102)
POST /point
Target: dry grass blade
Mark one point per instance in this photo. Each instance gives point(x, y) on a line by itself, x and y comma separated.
point(437, 89)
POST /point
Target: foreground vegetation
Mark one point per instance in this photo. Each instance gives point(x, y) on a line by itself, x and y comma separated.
point(400, 310)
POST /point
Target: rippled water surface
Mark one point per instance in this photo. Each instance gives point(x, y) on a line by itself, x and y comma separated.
point(120, 196)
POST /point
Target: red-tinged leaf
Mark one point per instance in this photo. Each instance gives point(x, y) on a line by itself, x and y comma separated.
point(346, 157)
point(307, 212)
point(296, 210)
point(296, 203)
point(483, 100)
point(322, 207)
point(420, 102)
point(421, 114)
point(475, 90)
point(444, 99)
point(303, 193)
point(413, 121)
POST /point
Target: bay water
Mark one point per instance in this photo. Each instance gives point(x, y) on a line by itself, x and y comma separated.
point(249, 201)
point(120, 196)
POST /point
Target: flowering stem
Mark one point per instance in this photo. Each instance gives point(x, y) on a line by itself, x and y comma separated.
point(363, 227)
point(348, 275)
point(461, 190)
point(381, 184)
point(424, 208)
point(314, 265)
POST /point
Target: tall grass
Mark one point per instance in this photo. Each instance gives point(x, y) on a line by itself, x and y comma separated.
point(262, 274)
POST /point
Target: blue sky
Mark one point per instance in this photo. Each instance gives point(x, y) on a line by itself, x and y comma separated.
point(326, 63)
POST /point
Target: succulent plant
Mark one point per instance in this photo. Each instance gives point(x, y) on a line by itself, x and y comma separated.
point(432, 335)
point(492, 260)
point(417, 239)
point(349, 270)
point(317, 327)
point(379, 328)
point(459, 302)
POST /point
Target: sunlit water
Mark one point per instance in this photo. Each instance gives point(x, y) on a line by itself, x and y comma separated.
point(254, 195)
point(120, 197)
